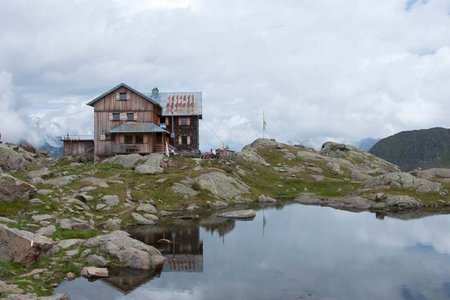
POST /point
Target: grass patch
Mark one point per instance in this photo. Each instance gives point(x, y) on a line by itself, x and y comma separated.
point(64, 234)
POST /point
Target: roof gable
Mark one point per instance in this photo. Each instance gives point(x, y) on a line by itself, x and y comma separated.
point(92, 102)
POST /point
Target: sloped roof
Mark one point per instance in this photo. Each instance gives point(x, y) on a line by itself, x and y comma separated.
point(137, 127)
point(181, 103)
point(146, 97)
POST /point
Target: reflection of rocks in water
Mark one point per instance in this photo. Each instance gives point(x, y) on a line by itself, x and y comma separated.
point(181, 245)
point(126, 280)
point(411, 214)
point(220, 225)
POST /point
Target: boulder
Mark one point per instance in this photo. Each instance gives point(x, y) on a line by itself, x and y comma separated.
point(22, 246)
point(140, 220)
point(94, 272)
point(64, 244)
point(146, 208)
point(401, 180)
point(130, 252)
point(110, 200)
point(222, 185)
point(266, 200)
point(152, 164)
point(112, 224)
point(11, 160)
point(61, 181)
point(43, 173)
point(97, 260)
point(192, 206)
point(184, 189)
point(239, 214)
point(402, 202)
point(94, 181)
point(127, 161)
point(12, 188)
point(40, 218)
point(48, 230)
point(219, 204)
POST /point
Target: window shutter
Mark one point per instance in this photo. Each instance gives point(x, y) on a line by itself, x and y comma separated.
point(189, 139)
point(167, 121)
point(188, 121)
point(117, 96)
point(180, 141)
point(110, 116)
point(123, 116)
point(128, 96)
point(179, 121)
point(135, 116)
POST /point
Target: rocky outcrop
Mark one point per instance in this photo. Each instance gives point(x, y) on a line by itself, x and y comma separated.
point(94, 272)
point(348, 203)
point(433, 174)
point(402, 202)
point(13, 158)
point(131, 253)
point(12, 188)
point(22, 246)
point(239, 214)
point(152, 165)
point(184, 189)
point(401, 180)
point(127, 161)
point(221, 185)
point(61, 181)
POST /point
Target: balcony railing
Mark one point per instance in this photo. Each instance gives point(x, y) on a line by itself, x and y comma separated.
point(137, 148)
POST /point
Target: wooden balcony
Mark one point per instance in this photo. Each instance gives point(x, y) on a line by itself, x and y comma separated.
point(138, 148)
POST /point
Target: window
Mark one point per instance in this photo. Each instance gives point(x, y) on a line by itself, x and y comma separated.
point(183, 120)
point(109, 137)
point(123, 96)
point(128, 139)
point(130, 116)
point(139, 138)
point(116, 116)
point(184, 140)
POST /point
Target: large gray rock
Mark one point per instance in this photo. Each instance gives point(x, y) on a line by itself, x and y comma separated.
point(141, 220)
point(94, 181)
point(434, 173)
point(110, 200)
point(43, 173)
point(21, 246)
point(184, 189)
point(402, 202)
point(146, 208)
point(127, 161)
point(152, 164)
point(11, 160)
point(61, 181)
point(12, 188)
point(401, 180)
point(131, 253)
point(222, 185)
point(239, 214)
point(94, 272)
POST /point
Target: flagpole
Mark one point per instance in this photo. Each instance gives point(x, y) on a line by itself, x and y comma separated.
point(264, 124)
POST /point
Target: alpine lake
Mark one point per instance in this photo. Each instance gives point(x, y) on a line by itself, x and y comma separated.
point(288, 252)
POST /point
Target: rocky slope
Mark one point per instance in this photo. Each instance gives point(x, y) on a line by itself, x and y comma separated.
point(426, 148)
point(77, 211)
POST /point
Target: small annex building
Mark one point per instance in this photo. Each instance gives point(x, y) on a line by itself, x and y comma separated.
point(129, 121)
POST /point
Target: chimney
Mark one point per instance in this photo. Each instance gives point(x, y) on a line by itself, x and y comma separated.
point(155, 93)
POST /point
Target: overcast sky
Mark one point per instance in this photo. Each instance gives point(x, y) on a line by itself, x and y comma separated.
point(338, 70)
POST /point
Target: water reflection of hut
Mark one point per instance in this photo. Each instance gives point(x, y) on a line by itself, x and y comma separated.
point(181, 245)
point(126, 280)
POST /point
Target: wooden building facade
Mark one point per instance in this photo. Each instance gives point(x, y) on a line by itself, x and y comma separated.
point(128, 121)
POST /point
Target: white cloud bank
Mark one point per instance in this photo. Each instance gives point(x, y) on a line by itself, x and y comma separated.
point(340, 69)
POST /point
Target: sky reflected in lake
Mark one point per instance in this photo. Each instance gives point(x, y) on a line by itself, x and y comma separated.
point(296, 252)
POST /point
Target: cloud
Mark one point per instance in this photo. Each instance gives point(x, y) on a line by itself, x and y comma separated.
point(12, 124)
point(321, 70)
